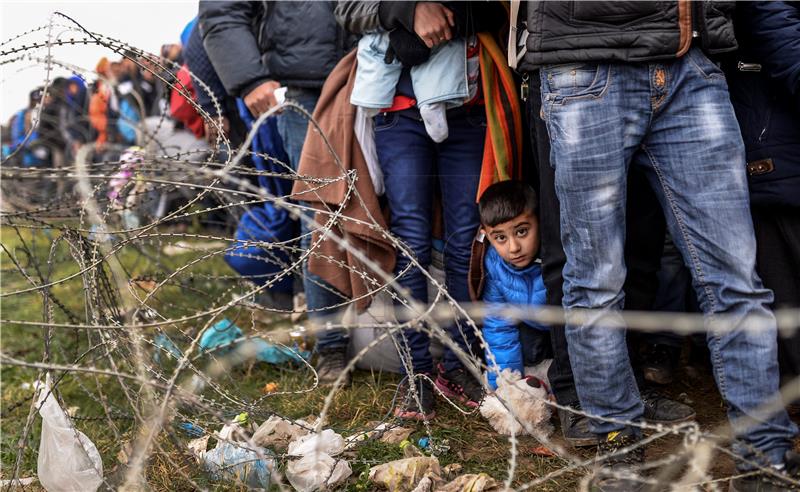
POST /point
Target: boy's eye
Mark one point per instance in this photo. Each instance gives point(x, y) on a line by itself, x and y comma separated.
point(500, 238)
point(522, 232)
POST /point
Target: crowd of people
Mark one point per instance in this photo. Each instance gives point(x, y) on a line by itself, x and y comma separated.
point(603, 156)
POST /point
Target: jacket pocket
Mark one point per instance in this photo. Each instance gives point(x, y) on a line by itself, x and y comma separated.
point(561, 83)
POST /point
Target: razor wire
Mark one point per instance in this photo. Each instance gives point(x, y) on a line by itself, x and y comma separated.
point(109, 290)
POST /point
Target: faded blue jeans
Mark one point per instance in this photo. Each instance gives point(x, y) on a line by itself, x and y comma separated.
point(675, 120)
point(292, 127)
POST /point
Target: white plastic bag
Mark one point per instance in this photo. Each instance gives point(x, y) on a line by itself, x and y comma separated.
point(327, 441)
point(317, 471)
point(68, 460)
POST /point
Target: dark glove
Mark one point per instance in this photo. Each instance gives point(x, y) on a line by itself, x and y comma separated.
point(407, 47)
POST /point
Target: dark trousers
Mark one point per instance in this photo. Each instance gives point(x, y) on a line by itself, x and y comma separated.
point(643, 248)
point(778, 264)
point(413, 166)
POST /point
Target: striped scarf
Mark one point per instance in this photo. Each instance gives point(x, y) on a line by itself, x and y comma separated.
point(502, 152)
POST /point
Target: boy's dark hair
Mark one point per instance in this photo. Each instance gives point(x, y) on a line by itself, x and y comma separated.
point(505, 200)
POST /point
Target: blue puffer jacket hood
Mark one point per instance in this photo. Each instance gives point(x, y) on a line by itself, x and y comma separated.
point(506, 285)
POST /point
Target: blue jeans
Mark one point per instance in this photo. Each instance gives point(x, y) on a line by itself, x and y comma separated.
point(292, 127)
point(412, 166)
point(675, 120)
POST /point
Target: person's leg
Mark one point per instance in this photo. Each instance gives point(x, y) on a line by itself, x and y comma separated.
point(407, 157)
point(459, 167)
point(596, 114)
point(550, 251)
point(696, 156)
point(778, 263)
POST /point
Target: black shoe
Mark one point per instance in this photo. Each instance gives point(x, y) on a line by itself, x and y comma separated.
point(330, 364)
point(575, 428)
point(658, 363)
point(418, 404)
point(764, 482)
point(618, 469)
point(460, 385)
point(658, 409)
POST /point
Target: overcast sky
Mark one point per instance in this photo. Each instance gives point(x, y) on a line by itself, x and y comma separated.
point(144, 24)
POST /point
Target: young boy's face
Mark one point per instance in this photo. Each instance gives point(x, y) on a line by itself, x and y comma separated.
point(517, 241)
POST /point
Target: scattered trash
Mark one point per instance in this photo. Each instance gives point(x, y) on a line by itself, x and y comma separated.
point(271, 387)
point(191, 430)
point(403, 475)
point(409, 450)
point(276, 433)
point(73, 411)
point(317, 469)
point(543, 451)
point(147, 285)
point(20, 482)
point(434, 446)
point(242, 419)
point(68, 461)
point(389, 434)
point(26, 386)
point(182, 247)
point(199, 446)
point(525, 397)
point(470, 482)
point(124, 454)
point(165, 345)
point(239, 461)
point(221, 339)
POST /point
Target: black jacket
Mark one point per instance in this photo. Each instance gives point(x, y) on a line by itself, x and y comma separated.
point(764, 83)
point(294, 43)
point(630, 31)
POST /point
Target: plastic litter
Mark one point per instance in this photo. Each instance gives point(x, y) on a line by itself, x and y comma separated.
point(470, 482)
point(390, 434)
point(270, 387)
point(276, 433)
point(191, 430)
point(317, 469)
point(403, 475)
point(165, 347)
point(68, 461)
point(239, 461)
point(221, 338)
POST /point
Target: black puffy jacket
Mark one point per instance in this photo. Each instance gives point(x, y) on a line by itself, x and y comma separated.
point(764, 83)
point(630, 31)
point(294, 43)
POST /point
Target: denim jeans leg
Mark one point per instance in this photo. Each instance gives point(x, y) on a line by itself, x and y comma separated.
point(459, 164)
point(292, 127)
point(699, 167)
point(407, 157)
point(595, 124)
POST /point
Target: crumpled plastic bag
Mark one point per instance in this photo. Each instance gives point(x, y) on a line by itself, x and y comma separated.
point(276, 433)
point(327, 441)
point(238, 461)
point(68, 460)
point(403, 475)
point(317, 469)
point(221, 339)
point(470, 482)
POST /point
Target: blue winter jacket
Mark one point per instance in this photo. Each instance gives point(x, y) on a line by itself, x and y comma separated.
point(505, 285)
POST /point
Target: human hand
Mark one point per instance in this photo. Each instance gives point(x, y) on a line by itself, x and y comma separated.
point(210, 127)
point(262, 98)
point(432, 23)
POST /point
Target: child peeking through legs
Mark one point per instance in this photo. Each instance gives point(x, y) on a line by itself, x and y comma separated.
point(511, 276)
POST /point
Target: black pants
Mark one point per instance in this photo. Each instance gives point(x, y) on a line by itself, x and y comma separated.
point(643, 247)
point(778, 264)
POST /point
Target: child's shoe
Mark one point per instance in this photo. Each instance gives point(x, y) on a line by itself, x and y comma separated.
point(460, 385)
point(416, 404)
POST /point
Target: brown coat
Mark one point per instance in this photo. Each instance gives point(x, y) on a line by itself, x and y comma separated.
point(335, 116)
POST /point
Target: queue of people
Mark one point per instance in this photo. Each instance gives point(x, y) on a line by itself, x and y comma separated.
point(604, 156)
